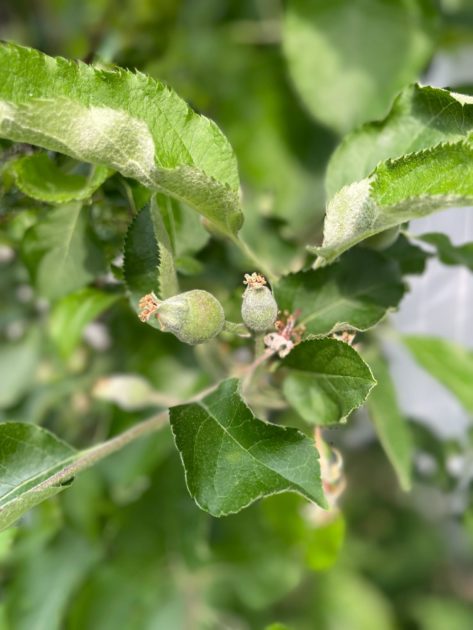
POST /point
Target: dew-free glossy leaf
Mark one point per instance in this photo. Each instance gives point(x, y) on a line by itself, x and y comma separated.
point(60, 254)
point(231, 458)
point(40, 178)
point(71, 314)
point(447, 252)
point(327, 380)
point(29, 455)
point(355, 293)
point(390, 424)
point(349, 59)
point(397, 191)
point(123, 120)
point(446, 361)
point(420, 118)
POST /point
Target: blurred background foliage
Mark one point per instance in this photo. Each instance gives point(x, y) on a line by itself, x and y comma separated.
point(125, 546)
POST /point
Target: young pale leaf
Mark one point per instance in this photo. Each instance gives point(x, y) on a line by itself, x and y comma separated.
point(29, 455)
point(449, 363)
point(349, 59)
point(391, 426)
point(231, 458)
point(71, 315)
point(327, 380)
point(421, 118)
point(148, 259)
point(59, 253)
point(40, 178)
point(447, 252)
point(123, 120)
point(355, 293)
point(399, 190)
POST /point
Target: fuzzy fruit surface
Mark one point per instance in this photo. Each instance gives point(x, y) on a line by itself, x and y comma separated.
point(259, 308)
point(193, 317)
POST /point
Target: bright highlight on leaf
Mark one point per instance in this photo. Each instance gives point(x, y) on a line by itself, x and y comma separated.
point(124, 121)
point(231, 458)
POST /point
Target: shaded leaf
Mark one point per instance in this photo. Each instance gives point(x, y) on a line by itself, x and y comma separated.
point(24, 355)
point(327, 380)
point(411, 259)
point(40, 178)
point(390, 424)
point(59, 253)
point(355, 293)
point(231, 458)
point(123, 120)
point(29, 455)
point(446, 361)
point(447, 252)
point(71, 314)
point(345, 57)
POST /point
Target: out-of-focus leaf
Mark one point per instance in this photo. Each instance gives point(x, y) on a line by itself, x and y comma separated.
point(231, 458)
point(29, 455)
point(123, 120)
point(50, 577)
point(324, 544)
point(355, 293)
point(439, 613)
point(18, 363)
point(59, 253)
point(129, 392)
point(349, 59)
point(447, 252)
point(40, 178)
point(327, 380)
point(446, 361)
point(409, 187)
point(391, 426)
point(420, 118)
point(71, 314)
point(411, 259)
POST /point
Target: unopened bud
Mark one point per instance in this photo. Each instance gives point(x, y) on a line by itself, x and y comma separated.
point(259, 308)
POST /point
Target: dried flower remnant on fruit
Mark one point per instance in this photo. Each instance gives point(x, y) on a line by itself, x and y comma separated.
point(287, 335)
point(194, 317)
point(347, 336)
point(259, 308)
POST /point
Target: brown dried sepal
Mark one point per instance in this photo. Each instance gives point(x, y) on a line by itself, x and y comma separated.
point(148, 306)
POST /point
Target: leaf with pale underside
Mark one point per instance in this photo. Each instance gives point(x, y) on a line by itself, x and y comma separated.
point(29, 455)
point(40, 178)
point(397, 191)
point(122, 120)
point(231, 458)
point(327, 380)
point(355, 293)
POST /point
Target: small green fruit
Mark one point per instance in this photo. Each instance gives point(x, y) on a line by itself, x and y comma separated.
point(383, 240)
point(259, 308)
point(193, 317)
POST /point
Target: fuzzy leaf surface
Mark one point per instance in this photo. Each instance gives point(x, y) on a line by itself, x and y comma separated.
point(355, 293)
point(29, 455)
point(231, 458)
point(344, 57)
point(122, 120)
point(327, 380)
point(397, 191)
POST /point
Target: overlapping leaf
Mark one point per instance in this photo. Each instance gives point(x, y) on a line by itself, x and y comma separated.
point(447, 252)
point(327, 380)
point(231, 458)
point(125, 121)
point(355, 293)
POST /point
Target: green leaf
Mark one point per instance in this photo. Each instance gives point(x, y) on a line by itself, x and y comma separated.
point(123, 120)
point(325, 544)
point(29, 455)
point(447, 252)
point(327, 380)
point(420, 118)
point(411, 259)
point(149, 263)
point(449, 363)
point(39, 177)
point(24, 355)
point(400, 190)
point(349, 59)
point(59, 253)
point(355, 293)
point(391, 426)
point(71, 314)
point(231, 458)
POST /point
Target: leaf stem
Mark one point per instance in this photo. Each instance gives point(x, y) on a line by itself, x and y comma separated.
point(250, 255)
